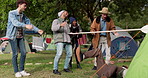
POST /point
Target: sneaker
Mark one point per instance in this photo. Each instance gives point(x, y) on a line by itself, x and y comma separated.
point(1, 52)
point(67, 70)
point(56, 72)
point(23, 73)
point(18, 74)
point(94, 68)
point(79, 66)
point(70, 65)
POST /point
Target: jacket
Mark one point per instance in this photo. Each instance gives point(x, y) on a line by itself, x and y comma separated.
point(96, 26)
point(13, 23)
point(60, 34)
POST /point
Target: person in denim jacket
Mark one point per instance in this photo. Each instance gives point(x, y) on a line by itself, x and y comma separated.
point(17, 23)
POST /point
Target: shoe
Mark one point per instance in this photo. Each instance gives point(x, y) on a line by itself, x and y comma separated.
point(70, 65)
point(1, 52)
point(94, 68)
point(23, 73)
point(56, 72)
point(78, 66)
point(67, 70)
point(18, 74)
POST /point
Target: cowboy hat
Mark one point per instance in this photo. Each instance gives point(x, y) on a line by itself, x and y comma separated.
point(104, 11)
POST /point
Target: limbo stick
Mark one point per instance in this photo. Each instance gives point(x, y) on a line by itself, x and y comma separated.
point(144, 29)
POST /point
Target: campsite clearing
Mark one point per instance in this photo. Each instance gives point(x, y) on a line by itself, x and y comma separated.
point(40, 66)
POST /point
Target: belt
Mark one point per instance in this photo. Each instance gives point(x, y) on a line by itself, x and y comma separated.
point(103, 36)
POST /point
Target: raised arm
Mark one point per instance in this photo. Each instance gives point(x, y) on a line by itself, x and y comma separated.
point(27, 21)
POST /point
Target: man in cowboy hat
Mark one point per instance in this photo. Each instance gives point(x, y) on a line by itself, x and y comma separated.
point(103, 40)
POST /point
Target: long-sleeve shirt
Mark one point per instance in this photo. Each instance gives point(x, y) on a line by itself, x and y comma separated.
point(60, 33)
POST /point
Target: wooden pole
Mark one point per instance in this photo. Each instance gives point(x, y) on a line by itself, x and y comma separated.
point(107, 31)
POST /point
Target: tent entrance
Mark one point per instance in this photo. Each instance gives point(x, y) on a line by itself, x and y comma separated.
point(123, 48)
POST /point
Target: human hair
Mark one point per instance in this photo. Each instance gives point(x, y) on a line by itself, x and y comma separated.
point(20, 2)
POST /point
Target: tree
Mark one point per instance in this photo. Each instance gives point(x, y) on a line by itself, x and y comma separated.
point(43, 12)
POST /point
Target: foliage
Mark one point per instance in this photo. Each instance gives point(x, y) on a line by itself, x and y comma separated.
point(126, 13)
point(5, 6)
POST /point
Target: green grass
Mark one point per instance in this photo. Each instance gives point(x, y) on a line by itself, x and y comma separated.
point(44, 69)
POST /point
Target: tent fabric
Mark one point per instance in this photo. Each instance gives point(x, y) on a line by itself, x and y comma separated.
point(51, 46)
point(125, 50)
point(9, 50)
point(50, 43)
point(139, 64)
point(38, 43)
point(43, 43)
point(3, 45)
point(118, 43)
point(126, 34)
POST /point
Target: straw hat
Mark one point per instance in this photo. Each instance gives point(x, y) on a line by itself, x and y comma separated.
point(104, 11)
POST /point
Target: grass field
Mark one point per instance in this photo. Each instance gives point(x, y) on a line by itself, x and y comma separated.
point(40, 66)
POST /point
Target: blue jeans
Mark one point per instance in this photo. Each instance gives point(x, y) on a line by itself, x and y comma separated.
point(59, 49)
point(18, 45)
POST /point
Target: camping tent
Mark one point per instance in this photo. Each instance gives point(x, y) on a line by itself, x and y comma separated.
point(38, 43)
point(43, 43)
point(118, 43)
point(50, 43)
point(139, 64)
point(9, 50)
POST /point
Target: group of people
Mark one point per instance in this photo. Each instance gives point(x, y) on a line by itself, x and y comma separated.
point(18, 22)
point(100, 42)
point(61, 29)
